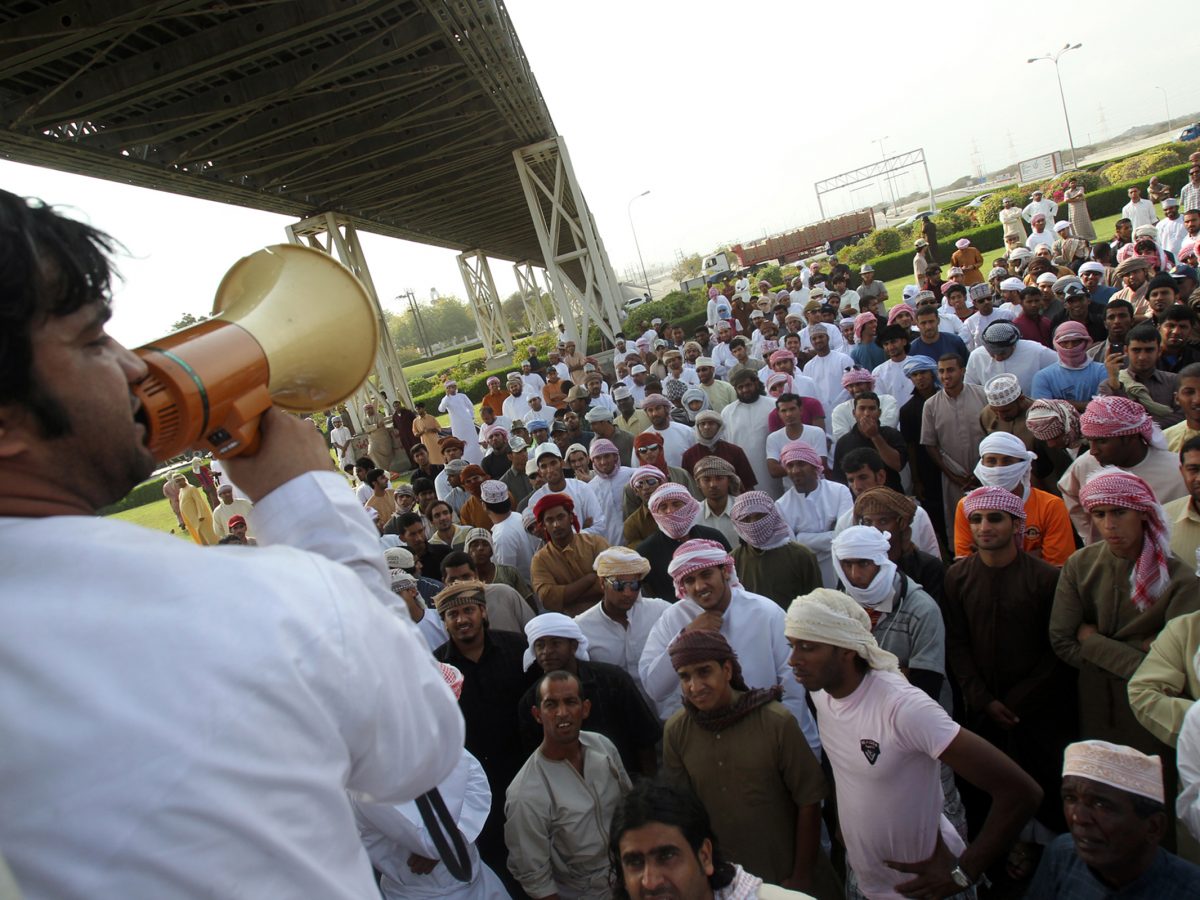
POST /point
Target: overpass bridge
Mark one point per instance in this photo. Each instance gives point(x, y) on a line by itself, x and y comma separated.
point(416, 119)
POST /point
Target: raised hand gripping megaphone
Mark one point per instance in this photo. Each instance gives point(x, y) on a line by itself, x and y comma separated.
point(291, 326)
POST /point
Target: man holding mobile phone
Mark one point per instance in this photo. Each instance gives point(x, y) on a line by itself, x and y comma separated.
point(1135, 374)
point(1118, 319)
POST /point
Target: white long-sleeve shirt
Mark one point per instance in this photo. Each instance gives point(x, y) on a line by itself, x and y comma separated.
point(185, 721)
point(1045, 206)
point(723, 359)
point(1028, 358)
point(748, 422)
point(753, 625)
point(518, 408)
point(610, 494)
point(586, 504)
point(611, 642)
point(974, 325)
point(826, 372)
point(890, 379)
point(1140, 213)
point(1171, 234)
point(391, 833)
point(813, 518)
point(513, 546)
point(677, 440)
point(842, 419)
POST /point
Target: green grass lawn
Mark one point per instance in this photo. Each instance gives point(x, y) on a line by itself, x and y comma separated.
point(157, 516)
point(428, 367)
point(1104, 229)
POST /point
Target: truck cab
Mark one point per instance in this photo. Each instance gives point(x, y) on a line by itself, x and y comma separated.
point(718, 264)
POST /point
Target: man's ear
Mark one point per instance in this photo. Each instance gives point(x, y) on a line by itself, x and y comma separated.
point(17, 426)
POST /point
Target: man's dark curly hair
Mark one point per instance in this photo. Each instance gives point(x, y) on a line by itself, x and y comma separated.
point(50, 266)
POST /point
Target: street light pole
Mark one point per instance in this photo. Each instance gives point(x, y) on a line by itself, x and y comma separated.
point(637, 246)
point(1166, 104)
point(883, 156)
point(1062, 96)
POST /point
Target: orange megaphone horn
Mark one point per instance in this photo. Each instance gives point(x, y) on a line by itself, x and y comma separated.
point(291, 326)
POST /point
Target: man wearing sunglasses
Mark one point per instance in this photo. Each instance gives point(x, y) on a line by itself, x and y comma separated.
point(616, 628)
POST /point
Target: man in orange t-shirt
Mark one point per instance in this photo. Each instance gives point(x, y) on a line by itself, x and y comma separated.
point(1004, 462)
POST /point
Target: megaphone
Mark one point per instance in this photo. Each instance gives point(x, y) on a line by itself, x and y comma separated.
point(291, 326)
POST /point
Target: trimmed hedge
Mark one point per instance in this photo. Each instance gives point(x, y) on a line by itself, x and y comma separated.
point(454, 351)
point(146, 492)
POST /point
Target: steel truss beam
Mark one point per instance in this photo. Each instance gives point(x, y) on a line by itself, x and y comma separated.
point(336, 235)
point(889, 166)
point(531, 297)
point(586, 290)
point(485, 304)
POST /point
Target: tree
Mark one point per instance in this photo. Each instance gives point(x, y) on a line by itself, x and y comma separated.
point(688, 267)
point(186, 320)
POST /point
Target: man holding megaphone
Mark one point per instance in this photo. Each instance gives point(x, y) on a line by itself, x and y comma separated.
point(184, 721)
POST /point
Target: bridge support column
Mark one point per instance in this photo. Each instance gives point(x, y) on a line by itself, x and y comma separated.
point(531, 298)
point(485, 304)
point(585, 289)
point(337, 236)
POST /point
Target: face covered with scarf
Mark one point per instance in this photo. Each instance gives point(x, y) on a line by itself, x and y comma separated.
point(757, 521)
point(709, 427)
point(1071, 343)
point(868, 575)
point(1055, 422)
point(695, 401)
point(1005, 463)
point(1116, 500)
point(675, 510)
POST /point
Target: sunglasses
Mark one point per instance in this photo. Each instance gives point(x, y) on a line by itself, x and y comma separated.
point(633, 584)
point(649, 448)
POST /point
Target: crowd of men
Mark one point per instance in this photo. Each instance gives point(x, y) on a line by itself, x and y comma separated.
point(842, 595)
point(850, 599)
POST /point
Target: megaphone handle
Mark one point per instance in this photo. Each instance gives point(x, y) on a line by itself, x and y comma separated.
point(238, 435)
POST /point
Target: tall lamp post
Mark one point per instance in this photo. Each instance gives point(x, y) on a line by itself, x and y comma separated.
point(1054, 59)
point(1166, 105)
point(629, 210)
point(883, 155)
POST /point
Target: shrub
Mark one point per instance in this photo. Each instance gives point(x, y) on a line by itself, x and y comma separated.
point(146, 492)
point(1142, 165)
point(771, 273)
point(885, 240)
point(989, 209)
point(858, 254)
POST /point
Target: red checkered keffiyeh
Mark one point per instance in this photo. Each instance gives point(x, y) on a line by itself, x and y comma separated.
point(453, 677)
point(678, 523)
point(997, 498)
point(1116, 487)
point(1048, 419)
point(767, 533)
point(1115, 416)
point(801, 451)
point(692, 556)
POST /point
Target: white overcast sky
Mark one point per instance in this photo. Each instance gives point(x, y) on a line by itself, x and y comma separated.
point(726, 113)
